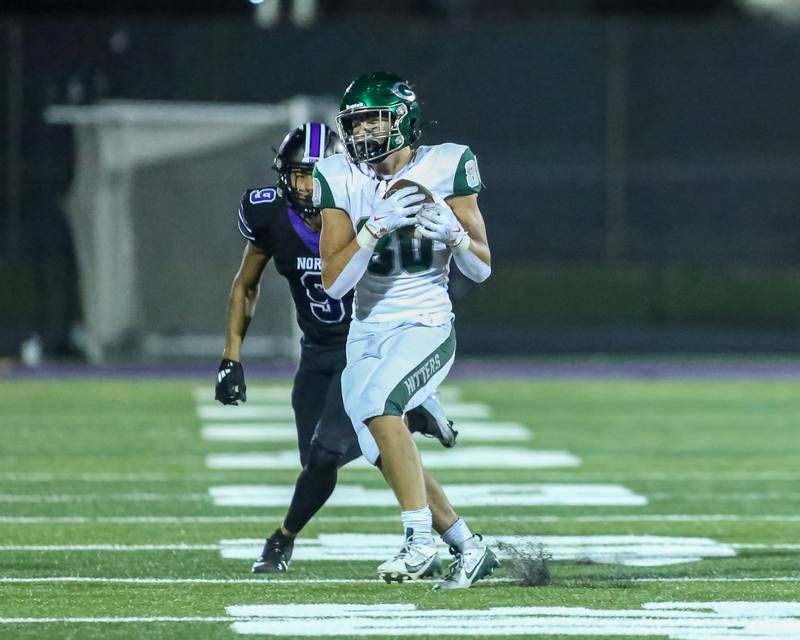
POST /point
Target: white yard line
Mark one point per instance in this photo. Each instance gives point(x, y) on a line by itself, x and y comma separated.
point(458, 458)
point(789, 547)
point(270, 519)
point(286, 432)
point(109, 547)
point(675, 620)
point(247, 411)
point(103, 497)
point(735, 495)
point(464, 495)
point(100, 620)
point(630, 550)
point(551, 476)
point(283, 411)
point(276, 580)
point(253, 432)
point(283, 393)
point(642, 550)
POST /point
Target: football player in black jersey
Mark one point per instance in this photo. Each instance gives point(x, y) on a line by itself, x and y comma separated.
point(281, 224)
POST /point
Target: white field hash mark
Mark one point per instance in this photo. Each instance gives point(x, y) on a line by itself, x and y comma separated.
point(675, 620)
point(626, 550)
point(469, 431)
point(284, 411)
point(464, 495)
point(466, 458)
point(283, 393)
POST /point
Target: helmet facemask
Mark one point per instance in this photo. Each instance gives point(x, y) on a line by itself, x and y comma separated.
point(373, 143)
point(300, 200)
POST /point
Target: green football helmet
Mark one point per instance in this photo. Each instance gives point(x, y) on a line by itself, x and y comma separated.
point(389, 107)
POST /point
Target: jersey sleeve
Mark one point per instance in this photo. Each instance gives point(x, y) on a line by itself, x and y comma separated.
point(467, 178)
point(255, 209)
point(330, 183)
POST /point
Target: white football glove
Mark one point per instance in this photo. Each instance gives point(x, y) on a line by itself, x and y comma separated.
point(438, 222)
point(396, 211)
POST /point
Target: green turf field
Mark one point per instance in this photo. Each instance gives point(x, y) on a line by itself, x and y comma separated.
point(660, 502)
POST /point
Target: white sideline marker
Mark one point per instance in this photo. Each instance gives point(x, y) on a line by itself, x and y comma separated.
point(640, 551)
point(287, 432)
point(458, 458)
point(675, 620)
point(464, 495)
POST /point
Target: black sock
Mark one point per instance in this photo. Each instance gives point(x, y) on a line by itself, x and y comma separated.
point(313, 488)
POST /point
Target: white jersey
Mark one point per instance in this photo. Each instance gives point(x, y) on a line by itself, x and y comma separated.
point(407, 277)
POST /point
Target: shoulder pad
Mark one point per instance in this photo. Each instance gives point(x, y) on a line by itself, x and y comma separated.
point(467, 180)
point(261, 196)
point(330, 180)
point(251, 210)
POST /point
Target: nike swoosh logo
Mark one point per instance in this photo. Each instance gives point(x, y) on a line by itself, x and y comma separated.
point(379, 218)
point(413, 568)
point(477, 566)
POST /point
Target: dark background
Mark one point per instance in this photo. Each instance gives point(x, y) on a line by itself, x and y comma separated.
point(641, 159)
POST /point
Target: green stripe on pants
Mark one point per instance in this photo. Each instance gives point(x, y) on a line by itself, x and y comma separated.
point(419, 376)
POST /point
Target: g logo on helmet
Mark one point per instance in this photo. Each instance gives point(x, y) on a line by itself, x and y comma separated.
point(402, 90)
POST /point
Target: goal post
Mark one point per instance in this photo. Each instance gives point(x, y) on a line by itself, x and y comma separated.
point(153, 209)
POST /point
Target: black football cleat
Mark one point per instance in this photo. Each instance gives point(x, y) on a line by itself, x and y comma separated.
point(276, 555)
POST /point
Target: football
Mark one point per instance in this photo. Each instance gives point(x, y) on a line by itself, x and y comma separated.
point(402, 183)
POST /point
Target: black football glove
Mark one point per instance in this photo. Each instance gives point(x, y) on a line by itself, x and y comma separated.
point(230, 382)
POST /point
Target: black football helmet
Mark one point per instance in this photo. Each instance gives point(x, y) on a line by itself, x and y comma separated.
point(300, 150)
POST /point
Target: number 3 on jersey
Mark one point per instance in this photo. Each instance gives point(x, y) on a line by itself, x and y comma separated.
point(325, 309)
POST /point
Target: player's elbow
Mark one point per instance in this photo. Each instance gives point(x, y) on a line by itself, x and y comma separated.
point(482, 274)
point(329, 284)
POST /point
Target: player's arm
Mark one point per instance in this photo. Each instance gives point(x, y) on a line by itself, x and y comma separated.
point(344, 259)
point(230, 386)
point(243, 298)
point(459, 224)
point(469, 215)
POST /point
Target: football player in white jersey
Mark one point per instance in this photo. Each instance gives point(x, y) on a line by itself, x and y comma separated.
point(396, 252)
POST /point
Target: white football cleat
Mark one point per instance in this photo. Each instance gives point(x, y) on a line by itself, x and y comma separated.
point(417, 559)
point(470, 565)
point(430, 420)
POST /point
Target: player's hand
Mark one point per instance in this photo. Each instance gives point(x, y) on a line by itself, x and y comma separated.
point(230, 382)
point(398, 210)
point(438, 222)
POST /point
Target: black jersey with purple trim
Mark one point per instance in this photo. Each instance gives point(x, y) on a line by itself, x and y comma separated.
point(268, 222)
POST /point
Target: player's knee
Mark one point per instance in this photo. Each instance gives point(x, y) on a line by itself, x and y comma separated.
point(321, 459)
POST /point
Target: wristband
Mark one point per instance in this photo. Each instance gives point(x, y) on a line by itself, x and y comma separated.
point(365, 239)
point(462, 246)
